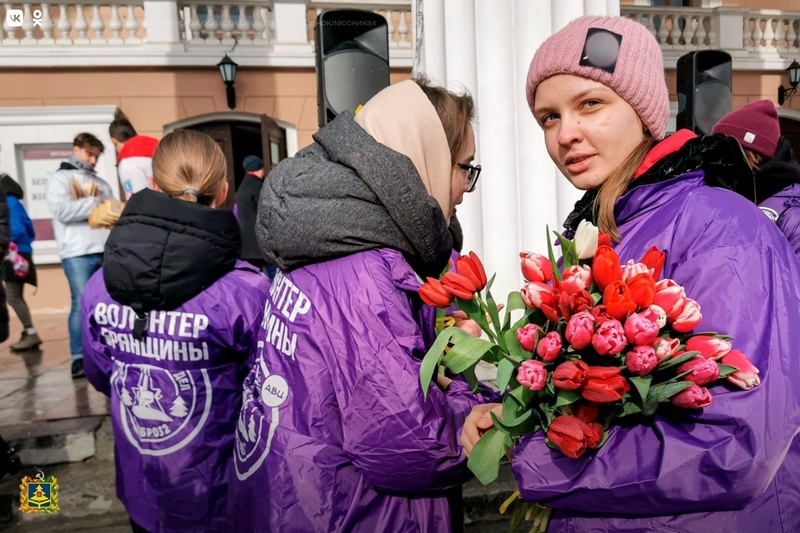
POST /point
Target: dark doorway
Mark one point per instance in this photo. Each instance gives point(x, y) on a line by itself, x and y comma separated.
point(790, 128)
point(239, 135)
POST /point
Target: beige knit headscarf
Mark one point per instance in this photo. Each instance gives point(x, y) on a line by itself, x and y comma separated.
point(402, 118)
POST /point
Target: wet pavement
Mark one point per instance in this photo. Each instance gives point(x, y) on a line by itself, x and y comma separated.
point(37, 393)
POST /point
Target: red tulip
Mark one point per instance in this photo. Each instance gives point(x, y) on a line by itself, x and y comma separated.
point(689, 317)
point(526, 336)
point(576, 278)
point(605, 267)
point(654, 259)
point(459, 285)
point(670, 297)
point(471, 267)
point(618, 301)
point(604, 384)
point(536, 267)
point(535, 293)
point(709, 346)
point(694, 397)
point(703, 370)
point(603, 239)
point(568, 434)
point(580, 329)
point(532, 374)
point(570, 375)
point(747, 375)
point(432, 293)
point(642, 290)
point(595, 435)
point(549, 346)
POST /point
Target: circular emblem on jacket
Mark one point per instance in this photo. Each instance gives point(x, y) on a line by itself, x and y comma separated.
point(771, 213)
point(161, 411)
point(264, 393)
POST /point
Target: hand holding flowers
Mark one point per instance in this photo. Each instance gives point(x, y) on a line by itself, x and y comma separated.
point(597, 341)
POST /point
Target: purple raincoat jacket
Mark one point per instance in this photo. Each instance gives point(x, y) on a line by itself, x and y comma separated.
point(174, 397)
point(334, 434)
point(783, 208)
point(733, 466)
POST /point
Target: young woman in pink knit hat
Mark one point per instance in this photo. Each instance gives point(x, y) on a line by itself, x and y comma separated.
point(776, 186)
point(597, 90)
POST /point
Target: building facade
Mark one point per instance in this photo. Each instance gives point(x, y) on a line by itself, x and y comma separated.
point(70, 65)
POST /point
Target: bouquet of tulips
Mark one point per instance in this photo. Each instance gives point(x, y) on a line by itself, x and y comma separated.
point(597, 341)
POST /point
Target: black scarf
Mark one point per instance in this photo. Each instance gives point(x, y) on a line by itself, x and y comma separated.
point(720, 158)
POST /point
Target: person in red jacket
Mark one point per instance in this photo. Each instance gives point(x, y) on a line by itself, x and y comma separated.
point(134, 156)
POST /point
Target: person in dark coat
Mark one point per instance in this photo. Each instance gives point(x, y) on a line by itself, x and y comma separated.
point(5, 240)
point(22, 235)
point(776, 186)
point(247, 207)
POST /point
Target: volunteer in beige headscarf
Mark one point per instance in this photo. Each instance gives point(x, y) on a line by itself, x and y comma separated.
point(403, 119)
point(354, 221)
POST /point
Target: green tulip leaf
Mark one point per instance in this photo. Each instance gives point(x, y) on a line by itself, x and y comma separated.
point(642, 385)
point(726, 370)
point(505, 371)
point(466, 352)
point(662, 393)
point(566, 397)
point(484, 461)
point(430, 363)
point(552, 256)
point(669, 363)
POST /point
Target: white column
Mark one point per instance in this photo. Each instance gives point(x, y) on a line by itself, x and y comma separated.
point(161, 21)
point(487, 46)
point(434, 62)
point(728, 23)
point(536, 173)
point(595, 7)
point(563, 13)
point(498, 143)
point(461, 74)
point(291, 32)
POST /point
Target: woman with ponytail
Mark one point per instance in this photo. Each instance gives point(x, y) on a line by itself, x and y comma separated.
point(169, 323)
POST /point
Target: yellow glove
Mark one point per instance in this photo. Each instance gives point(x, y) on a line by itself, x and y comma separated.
point(105, 214)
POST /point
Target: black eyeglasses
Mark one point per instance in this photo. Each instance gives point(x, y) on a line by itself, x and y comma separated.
point(474, 173)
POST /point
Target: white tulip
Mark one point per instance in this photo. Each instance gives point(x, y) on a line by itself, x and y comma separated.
point(586, 239)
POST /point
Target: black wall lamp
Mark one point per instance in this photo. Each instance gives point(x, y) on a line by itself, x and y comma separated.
point(227, 68)
point(794, 78)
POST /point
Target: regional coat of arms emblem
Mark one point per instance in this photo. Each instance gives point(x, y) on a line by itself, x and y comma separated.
point(38, 494)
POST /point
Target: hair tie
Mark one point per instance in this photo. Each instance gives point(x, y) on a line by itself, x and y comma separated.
point(193, 192)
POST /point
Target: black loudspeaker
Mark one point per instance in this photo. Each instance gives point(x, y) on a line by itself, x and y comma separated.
point(352, 59)
point(704, 89)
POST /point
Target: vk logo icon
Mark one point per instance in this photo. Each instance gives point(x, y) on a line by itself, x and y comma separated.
point(14, 18)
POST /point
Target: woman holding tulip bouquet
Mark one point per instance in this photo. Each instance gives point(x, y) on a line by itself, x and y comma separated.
point(597, 90)
point(334, 433)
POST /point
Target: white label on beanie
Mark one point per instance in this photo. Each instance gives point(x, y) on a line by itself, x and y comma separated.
point(749, 137)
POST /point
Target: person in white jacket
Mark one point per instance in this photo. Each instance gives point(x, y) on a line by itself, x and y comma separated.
point(73, 194)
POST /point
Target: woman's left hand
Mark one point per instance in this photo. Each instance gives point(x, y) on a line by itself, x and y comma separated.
point(469, 325)
point(478, 422)
point(466, 323)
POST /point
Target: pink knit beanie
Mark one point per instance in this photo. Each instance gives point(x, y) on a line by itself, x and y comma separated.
point(615, 51)
point(755, 126)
